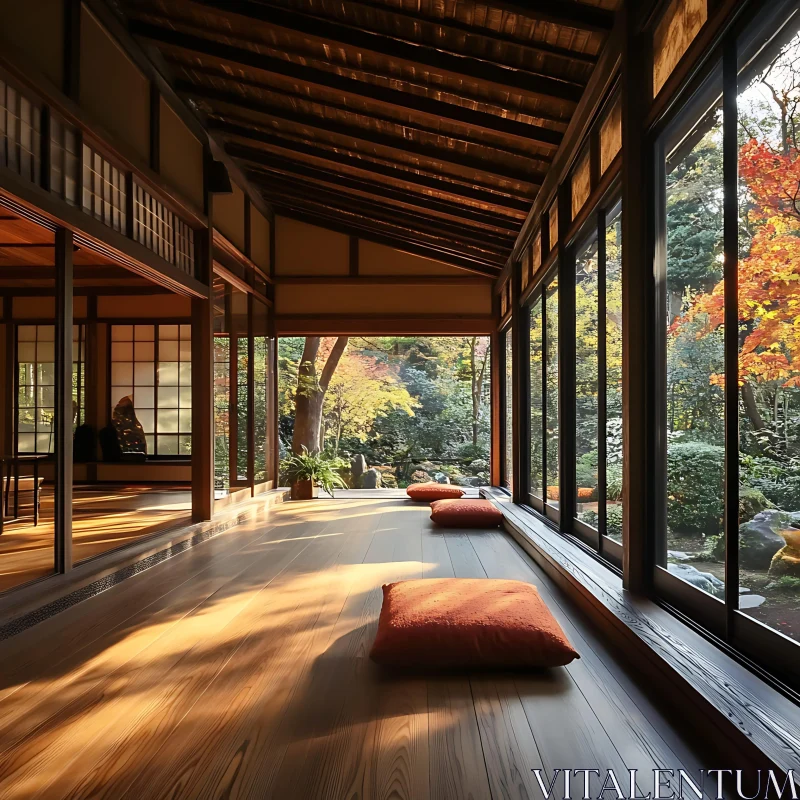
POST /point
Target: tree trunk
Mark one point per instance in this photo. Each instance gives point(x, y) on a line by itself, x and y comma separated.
point(310, 393)
point(753, 414)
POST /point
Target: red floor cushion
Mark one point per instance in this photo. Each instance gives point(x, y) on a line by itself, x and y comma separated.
point(468, 622)
point(466, 514)
point(428, 492)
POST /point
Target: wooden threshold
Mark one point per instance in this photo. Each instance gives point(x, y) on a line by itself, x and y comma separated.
point(709, 689)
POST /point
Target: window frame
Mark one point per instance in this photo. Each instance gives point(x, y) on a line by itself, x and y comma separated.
point(506, 481)
point(156, 322)
point(721, 620)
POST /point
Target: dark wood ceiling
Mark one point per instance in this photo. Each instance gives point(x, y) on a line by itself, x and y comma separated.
point(425, 123)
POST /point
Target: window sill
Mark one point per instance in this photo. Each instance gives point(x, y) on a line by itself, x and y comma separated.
point(716, 691)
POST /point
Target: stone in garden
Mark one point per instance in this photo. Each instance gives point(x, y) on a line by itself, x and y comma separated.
point(358, 466)
point(787, 560)
point(751, 601)
point(759, 539)
point(702, 580)
point(678, 555)
point(440, 477)
point(371, 479)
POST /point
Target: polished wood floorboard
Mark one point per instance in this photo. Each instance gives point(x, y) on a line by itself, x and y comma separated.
point(240, 669)
point(104, 517)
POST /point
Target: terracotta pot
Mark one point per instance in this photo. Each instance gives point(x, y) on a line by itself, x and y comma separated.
point(304, 490)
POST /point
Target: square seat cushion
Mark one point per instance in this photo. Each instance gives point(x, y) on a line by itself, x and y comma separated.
point(467, 622)
point(428, 492)
point(466, 514)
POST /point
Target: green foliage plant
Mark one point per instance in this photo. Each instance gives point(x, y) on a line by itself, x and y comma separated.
point(694, 488)
point(316, 467)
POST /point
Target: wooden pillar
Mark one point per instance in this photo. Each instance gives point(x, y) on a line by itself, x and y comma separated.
point(638, 191)
point(519, 449)
point(203, 371)
point(566, 363)
point(63, 401)
point(495, 376)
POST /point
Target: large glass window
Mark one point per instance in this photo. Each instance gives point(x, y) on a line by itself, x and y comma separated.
point(598, 380)
point(543, 488)
point(36, 386)
point(152, 365)
point(729, 400)
point(262, 391)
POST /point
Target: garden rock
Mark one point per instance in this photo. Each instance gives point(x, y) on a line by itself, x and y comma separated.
point(787, 560)
point(759, 539)
point(440, 477)
point(358, 466)
point(702, 580)
point(751, 601)
point(678, 555)
point(371, 479)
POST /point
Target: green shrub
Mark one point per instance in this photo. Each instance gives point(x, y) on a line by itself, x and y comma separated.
point(614, 521)
point(694, 488)
point(777, 479)
point(586, 469)
point(614, 481)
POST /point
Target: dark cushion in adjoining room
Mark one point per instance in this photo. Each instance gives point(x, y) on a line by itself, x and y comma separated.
point(468, 622)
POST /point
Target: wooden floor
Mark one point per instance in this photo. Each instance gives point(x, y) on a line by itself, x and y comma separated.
point(240, 670)
point(104, 517)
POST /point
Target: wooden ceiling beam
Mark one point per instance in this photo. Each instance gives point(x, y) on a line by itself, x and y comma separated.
point(371, 138)
point(331, 33)
point(381, 192)
point(330, 81)
point(567, 13)
point(381, 236)
point(497, 242)
point(550, 139)
point(378, 191)
point(253, 155)
point(455, 27)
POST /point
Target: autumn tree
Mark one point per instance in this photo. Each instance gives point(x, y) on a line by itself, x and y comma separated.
point(312, 384)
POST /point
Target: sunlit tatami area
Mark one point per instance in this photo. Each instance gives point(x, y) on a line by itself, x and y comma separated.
point(240, 669)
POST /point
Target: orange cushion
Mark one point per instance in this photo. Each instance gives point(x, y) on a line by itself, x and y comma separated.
point(468, 622)
point(466, 514)
point(427, 492)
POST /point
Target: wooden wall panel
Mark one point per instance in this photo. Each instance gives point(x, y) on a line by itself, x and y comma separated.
point(181, 156)
point(260, 233)
point(112, 89)
point(169, 306)
point(673, 35)
point(378, 259)
point(422, 298)
point(36, 29)
point(302, 249)
point(229, 216)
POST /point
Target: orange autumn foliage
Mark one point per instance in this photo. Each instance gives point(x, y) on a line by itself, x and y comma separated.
point(769, 276)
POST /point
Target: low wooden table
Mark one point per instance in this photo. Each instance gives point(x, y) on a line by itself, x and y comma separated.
point(9, 465)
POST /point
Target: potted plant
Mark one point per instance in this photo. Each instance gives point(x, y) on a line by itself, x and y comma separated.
point(307, 472)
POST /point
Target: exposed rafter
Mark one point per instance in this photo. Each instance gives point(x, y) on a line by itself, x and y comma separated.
point(548, 137)
point(498, 243)
point(453, 65)
point(568, 13)
point(453, 26)
point(252, 154)
point(393, 143)
point(282, 167)
point(317, 78)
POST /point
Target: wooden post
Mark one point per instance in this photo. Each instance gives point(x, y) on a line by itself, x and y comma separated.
point(63, 402)
point(566, 363)
point(203, 371)
point(495, 364)
point(637, 318)
point(519, 374)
